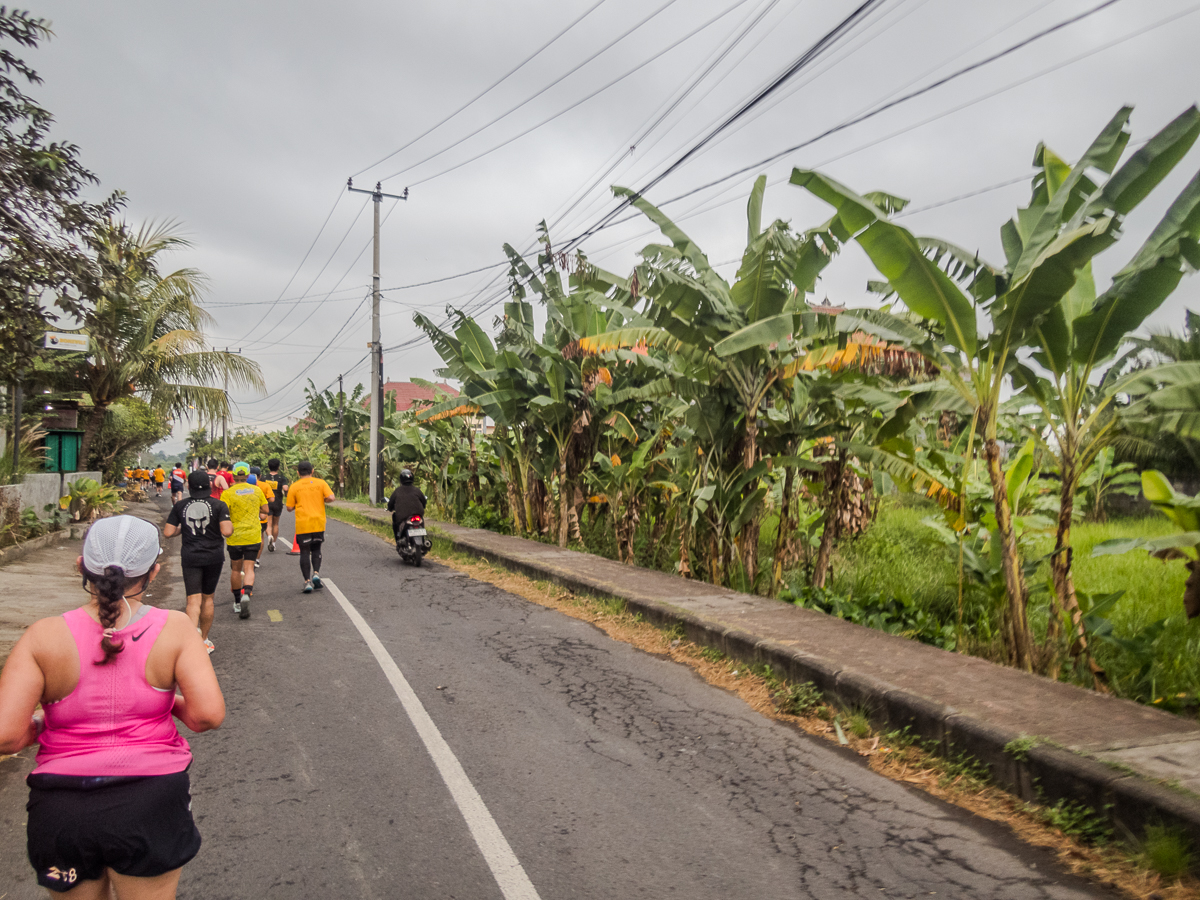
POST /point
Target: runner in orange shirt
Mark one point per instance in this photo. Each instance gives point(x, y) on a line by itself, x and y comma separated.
point(307, 497)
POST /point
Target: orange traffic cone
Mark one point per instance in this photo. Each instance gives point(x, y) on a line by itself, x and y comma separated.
point(295, 551)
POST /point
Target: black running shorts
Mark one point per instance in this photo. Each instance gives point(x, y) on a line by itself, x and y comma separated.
point(243, 551)
point(313, 537)
point(202, 579)
point(139, 827)
point(275, 507)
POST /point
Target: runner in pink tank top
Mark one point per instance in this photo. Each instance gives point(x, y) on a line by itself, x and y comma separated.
point(87, 733)
point(110, 799)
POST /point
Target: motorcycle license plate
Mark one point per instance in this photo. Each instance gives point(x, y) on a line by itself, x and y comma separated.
point(416, 532)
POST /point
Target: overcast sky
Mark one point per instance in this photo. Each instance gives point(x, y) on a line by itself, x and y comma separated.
point(242, 121)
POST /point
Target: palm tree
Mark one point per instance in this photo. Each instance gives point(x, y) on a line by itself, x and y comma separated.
point(147, 335)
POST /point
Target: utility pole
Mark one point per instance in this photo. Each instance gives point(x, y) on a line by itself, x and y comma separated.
point(375, 484)
point(341, 467)
point(225, 415)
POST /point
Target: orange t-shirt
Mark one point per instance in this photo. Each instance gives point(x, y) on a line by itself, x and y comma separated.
point(307, 497)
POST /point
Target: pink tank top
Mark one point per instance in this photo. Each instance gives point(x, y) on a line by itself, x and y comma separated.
point(114, 722)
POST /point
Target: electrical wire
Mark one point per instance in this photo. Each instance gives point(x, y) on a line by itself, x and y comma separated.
point(304, 259)
point(870, 114)
point(534, 96)
point(495, 84)
point(577, 103)
point(855, 120)
point(638, 137)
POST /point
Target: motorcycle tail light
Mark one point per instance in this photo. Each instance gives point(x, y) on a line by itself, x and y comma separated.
point(415, 519)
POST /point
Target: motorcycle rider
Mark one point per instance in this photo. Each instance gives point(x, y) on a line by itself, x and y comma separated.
point(406, 501)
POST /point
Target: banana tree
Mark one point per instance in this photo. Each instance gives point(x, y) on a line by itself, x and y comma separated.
point(1032, 304)
point(1184, 512)
point(730, 346)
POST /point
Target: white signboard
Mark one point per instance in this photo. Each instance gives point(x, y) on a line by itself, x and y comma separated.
point(61, 340)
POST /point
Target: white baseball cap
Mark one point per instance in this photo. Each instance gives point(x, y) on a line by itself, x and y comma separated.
point(125, 541)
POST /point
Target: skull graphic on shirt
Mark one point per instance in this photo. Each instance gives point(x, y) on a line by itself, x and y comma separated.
point(196, 516)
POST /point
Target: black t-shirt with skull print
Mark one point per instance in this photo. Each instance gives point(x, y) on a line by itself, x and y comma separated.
point(199, 519)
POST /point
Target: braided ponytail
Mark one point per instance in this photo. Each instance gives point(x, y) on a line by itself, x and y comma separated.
point(110, 592)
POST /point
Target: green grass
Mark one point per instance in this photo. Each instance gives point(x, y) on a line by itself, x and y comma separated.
point(1153, 589)
point(896, 557)
point(1166, 851)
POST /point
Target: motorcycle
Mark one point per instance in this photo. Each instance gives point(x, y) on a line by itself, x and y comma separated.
point(412, 543)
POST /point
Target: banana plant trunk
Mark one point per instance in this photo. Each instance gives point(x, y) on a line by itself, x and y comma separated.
point(783, 534)
point(564, 488)
point(833, 519)
point(473, 481)
point(1064, 583)
point(1020, 638)
point(749, 535)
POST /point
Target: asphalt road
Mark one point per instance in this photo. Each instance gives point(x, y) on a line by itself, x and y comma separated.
point(607, 772)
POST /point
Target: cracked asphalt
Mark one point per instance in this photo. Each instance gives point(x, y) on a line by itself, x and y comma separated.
point(611, 772)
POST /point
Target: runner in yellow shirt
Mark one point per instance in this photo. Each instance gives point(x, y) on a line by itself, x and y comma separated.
point(247, 507)
point(160, 478)
point(308, 496)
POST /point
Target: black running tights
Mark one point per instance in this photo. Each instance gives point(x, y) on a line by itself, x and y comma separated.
point(310, 559)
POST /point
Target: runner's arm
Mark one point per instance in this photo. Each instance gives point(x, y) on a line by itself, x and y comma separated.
point(21, 686)
point(199, 703)
point(226, 528)
point(169, 530)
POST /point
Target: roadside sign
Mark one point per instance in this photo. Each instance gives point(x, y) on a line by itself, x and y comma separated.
point(64, 340)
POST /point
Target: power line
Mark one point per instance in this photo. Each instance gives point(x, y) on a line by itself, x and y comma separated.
point(643, 131)
point(849, 122)
point(304, 259)
point(564, 111)
point(495, 84)
point(534, 96)
point(805, 59)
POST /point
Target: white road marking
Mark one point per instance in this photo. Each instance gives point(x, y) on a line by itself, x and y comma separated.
point(506, 868)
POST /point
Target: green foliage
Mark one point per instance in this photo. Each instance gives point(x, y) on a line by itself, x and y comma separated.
point(1167, 851)
point(1077, 820)
point(896, 614)
point(794, 699)
point(88, 500)
point(130, 426)
point(46, 228)
point(1018, 748)
point(481, 516)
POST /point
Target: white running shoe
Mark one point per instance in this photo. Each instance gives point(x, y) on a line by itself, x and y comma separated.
point(208, 645)
point(237, 606)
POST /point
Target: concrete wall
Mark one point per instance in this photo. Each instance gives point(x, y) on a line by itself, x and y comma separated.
point(38, 490)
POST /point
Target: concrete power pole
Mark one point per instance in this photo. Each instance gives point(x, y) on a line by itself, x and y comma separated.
point(375, 483)
point(341, 469)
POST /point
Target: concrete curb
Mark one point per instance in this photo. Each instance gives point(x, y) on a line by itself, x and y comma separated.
point(1043, 773)
point(11, 554)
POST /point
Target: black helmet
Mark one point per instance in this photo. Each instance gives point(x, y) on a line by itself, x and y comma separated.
point(406, 476)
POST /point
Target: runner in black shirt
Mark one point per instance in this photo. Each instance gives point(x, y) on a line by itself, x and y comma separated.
point(204, 523)
point(279, 483)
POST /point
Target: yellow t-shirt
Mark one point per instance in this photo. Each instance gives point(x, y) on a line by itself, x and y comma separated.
point(307, 498)
point(245, 501)
point(159, 475)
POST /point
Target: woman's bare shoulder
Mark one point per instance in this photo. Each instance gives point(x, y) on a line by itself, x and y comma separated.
point(51, 628)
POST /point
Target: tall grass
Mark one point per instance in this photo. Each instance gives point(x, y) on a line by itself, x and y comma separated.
point(1153, 590)
point(897, 557)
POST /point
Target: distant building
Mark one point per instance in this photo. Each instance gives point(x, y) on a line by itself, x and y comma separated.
point(409, 395)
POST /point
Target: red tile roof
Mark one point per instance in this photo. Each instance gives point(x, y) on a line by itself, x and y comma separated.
point(409, 394)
